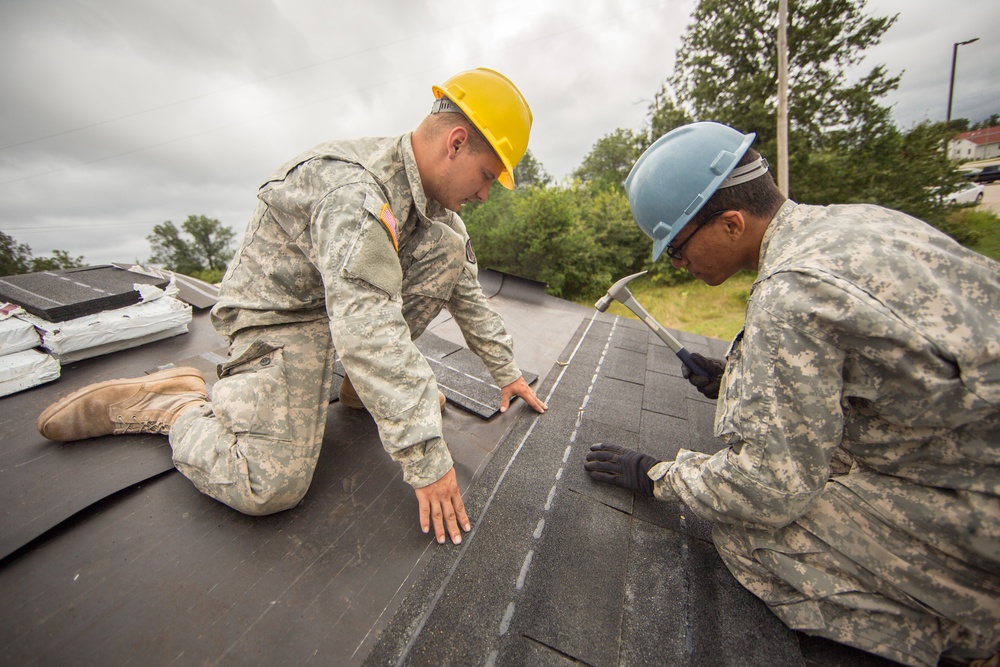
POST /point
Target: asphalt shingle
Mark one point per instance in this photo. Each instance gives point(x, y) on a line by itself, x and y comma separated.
point(111, 560)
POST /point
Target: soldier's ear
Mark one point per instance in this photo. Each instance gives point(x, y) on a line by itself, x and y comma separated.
point(736, 224)
point(457, 139)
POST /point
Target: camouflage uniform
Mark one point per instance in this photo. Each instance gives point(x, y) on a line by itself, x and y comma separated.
point(859, 495)
point(344, 252)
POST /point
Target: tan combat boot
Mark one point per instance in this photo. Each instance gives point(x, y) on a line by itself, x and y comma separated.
point(349, 396)
point(149, 404)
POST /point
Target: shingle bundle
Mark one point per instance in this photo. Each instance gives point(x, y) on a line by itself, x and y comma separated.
point(21, 364)
point(81, 313)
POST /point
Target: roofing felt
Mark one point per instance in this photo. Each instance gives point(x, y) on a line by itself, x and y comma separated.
point(113, 558)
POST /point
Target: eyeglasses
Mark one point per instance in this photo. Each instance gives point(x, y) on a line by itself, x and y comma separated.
point(675, 252)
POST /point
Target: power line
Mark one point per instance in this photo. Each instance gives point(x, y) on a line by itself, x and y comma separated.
point(58, 228)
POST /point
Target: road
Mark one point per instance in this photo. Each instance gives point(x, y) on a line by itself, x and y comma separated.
point(991, 197)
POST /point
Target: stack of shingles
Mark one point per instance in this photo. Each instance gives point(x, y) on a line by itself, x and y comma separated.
point(81, 313)
point(22, 364)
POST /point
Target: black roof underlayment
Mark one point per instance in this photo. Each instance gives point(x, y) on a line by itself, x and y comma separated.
point(110, 557)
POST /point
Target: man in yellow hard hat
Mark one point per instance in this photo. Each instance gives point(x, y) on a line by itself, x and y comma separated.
point(354, 247)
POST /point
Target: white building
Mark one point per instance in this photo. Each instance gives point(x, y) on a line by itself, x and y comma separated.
point(975, 145)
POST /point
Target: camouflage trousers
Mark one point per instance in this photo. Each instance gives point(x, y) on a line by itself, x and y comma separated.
point(842, 573)
point(255, 446)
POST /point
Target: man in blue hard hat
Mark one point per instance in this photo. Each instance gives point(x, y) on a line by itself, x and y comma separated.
point(858, 489)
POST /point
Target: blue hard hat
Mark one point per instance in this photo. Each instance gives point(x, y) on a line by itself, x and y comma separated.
point(674, 177)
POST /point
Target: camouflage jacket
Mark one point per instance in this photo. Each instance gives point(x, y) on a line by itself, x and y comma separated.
point(870, 356)
point(321, 245)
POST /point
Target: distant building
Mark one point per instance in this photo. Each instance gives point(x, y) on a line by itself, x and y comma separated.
point(975, 145)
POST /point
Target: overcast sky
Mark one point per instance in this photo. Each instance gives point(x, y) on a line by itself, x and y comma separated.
point(117, 115)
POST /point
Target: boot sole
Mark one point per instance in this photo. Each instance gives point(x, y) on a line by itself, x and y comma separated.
point(168, 374)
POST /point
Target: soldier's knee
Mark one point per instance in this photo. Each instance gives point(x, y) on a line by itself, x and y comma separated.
point(262, 503)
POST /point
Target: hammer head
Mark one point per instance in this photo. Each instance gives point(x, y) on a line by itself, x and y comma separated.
point(618, 292)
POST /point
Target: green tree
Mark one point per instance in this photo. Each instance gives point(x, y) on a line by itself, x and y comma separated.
point(959, 125)
point(727, 66)
point(617, 246)
point(16, 258)
point(60, 260)
point(577, 239)
point(530, 172)
point(665, 114)
point(610, 160)
point(526, 232)
point(843, 145)
point(992, 121)
point(907, 171)
point(203, 253)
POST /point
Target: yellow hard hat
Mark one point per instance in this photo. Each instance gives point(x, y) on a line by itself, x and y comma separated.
point(497, 109)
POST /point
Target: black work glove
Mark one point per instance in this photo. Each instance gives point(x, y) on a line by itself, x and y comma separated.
point(620, 466)
point(708, 386)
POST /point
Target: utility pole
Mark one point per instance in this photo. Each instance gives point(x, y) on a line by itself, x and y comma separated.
point(783, 97)
point(951, 86)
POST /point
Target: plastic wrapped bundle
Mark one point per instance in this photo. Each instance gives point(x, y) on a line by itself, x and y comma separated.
point(113, 330)
point(25, 369)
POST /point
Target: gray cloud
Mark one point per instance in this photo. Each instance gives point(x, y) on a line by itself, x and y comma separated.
point(120, 114)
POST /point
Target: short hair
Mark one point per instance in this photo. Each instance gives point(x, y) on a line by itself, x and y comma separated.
point(759, 197)
point(444, 121)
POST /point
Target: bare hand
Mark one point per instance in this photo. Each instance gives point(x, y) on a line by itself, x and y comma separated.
point(442, 502)
point(520, 388)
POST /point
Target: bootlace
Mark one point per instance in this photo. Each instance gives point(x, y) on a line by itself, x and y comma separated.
point(134, 425)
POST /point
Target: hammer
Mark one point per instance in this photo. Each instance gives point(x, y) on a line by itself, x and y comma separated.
point(619, 292)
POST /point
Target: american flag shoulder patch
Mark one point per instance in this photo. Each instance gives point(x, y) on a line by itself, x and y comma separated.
point(389, 220)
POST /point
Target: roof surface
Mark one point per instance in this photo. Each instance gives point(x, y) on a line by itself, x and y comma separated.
point(984, 136)
point(110, 557)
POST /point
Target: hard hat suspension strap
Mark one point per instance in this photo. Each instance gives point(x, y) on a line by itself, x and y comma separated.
point(444, 105)
point(747, 172)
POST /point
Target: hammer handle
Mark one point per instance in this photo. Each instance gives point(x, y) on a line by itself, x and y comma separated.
point(686, 359)
point(665, 336)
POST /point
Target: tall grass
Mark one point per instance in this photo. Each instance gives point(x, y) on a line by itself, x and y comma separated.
point(716, 312)
point(983, 230)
